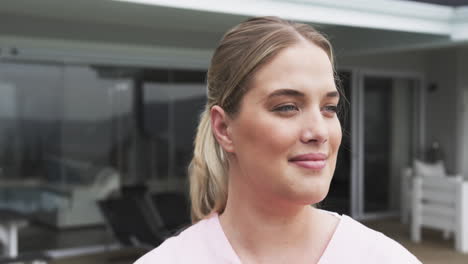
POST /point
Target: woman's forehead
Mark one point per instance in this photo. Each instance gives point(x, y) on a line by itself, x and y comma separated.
point(305, 68)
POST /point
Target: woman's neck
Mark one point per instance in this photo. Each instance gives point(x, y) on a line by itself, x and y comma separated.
point(258, 227)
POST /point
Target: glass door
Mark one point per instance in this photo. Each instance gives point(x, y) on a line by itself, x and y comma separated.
point(377, 143)
point(389, 132)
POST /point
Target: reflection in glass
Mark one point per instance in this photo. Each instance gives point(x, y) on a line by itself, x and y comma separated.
point(71, 135)
point(57, 135)
point(170, 119)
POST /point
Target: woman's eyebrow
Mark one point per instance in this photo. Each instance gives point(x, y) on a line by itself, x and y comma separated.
point(296, 93)
point(333, 94)
point(286, 92)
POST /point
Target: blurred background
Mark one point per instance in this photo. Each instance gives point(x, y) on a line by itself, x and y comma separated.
point(99, 101)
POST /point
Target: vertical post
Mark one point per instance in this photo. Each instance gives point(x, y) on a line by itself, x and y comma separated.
point(140, 168)
point(416, 210)
point(461, 234)
point(406, 176)
point(12, 243)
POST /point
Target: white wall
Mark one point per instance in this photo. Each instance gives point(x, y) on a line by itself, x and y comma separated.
point(441, 106)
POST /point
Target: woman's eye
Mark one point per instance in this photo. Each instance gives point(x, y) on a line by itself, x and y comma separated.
point(286, 108)
point(331, 108)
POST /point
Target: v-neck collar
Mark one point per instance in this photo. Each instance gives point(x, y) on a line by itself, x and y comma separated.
point(334, 241)
point(226, 252)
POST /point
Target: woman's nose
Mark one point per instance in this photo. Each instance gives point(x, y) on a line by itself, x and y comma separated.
point(314, 129)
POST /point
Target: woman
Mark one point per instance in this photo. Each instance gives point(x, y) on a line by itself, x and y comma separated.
point(266, 149)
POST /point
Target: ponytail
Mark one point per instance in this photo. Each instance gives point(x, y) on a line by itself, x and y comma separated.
point(207, 172)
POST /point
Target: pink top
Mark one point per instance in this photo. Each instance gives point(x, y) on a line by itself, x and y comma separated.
point(352, 242)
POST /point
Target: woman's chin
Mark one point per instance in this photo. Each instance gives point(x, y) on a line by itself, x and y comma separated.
point(311, 196)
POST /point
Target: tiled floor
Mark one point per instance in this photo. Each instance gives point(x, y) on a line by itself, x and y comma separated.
point(432, 249)
point(37, 237)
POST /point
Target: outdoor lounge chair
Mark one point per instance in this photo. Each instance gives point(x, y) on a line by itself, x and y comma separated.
point(132, 221)
point(441, 203)
point(173, 210)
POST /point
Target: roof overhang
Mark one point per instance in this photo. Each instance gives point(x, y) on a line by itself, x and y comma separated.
point(402, 16)
point(459, 24)
point(154, 32)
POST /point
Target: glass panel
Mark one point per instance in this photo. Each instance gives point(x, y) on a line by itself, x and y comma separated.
point(72, 134)
point(96, 106)
point(29, 131)
point(170, 119)
point(187, 109)
point(63, 137)
point(388, 139)
point(156, 123)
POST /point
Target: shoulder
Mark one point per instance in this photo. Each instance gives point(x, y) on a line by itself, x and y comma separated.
point(354, 242)
point(374, 245)
point(175, 249)
point(164, 253)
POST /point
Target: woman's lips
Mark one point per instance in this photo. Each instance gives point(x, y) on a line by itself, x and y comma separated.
point(311, 164)
point(315, 161)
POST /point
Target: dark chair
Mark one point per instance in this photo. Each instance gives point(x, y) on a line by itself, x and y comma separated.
point(173, 209)
point(134, 190)
point(132, 221)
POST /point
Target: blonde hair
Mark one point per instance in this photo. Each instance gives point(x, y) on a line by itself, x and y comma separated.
point(241, 51)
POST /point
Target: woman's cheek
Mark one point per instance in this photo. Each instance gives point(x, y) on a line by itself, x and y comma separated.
point(280, 133)
point(337, 133)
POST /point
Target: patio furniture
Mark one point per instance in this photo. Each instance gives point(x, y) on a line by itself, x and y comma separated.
point(173, 210)
point(141, 219)
point(76, 205)
point(132, 221)
point(10, 222)
point(419, 169)
point(441, 203)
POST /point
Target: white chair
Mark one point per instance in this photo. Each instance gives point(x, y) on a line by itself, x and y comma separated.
point(440, 203)
point(76, 205)
point(10, 223)
point(419, 169)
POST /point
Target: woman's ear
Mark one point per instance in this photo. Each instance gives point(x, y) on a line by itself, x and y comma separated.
point(220, 126)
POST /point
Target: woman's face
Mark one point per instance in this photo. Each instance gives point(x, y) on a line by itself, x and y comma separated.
point(286, 135)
